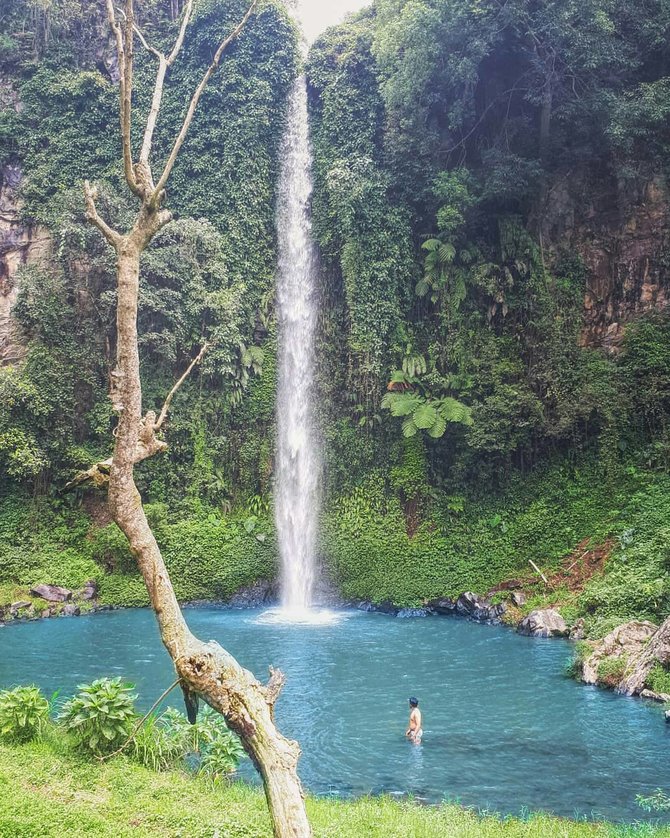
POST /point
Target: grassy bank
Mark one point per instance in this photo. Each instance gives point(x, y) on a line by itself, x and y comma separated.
point(47, 792)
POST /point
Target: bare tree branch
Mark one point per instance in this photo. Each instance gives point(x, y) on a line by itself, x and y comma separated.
point(123, 91)
point(147, 46)
point(168, 401)
point(188, 11)
point(90, 194)
point(195, 100)
point(163, 64)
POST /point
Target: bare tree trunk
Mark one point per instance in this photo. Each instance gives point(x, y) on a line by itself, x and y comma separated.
point(205, 669)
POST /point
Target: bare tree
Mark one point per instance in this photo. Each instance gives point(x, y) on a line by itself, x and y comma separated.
point(206, 670)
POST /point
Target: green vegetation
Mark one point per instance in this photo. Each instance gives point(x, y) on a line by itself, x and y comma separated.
point(659, 680)
point(101, 722)
point(467, 427)
point(24, 713)
point(48, 790)
point(100, 716)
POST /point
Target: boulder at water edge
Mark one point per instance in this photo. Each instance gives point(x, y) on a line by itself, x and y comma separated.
point(479, 608)
point(544, 623)
point(626, 641)
point(443, 607)
point(51, 593)
point(89, 591)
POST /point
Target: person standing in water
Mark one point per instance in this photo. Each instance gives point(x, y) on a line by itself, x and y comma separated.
point(415, 730)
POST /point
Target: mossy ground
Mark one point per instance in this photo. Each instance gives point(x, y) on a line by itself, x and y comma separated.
point(48, 791)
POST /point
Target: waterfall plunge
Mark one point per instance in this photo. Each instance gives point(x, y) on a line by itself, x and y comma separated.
point(297, 489)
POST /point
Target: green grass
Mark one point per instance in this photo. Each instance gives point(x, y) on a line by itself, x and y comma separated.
point(48, 791)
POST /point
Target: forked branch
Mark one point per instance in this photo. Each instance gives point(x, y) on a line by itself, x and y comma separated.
point(188, 119)
point(125, 92)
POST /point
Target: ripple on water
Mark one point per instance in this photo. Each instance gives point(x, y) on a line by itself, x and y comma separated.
point(505, 729)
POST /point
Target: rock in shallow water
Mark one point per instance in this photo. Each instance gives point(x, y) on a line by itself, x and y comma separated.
point(378, 608)
point(408, 613)
point(253, 596)
point(480, 609)
point(51, 593)
point(544, 623)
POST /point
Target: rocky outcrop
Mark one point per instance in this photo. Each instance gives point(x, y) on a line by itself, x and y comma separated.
point(663, 698)
point(442, 607)
point(20, 244)
point(656, 651)
point(89, 591)
point(51, 593)
point(625, 643)
point(479, 609)
point(544, 623)
point(621, 231)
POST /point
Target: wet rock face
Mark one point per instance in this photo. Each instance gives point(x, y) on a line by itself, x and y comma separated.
point(544, 623)
point(621, 230)
point(20, 244)
point(253, 596)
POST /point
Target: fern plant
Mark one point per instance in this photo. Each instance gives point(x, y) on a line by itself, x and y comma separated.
point(24, 713)
point(423, 413)
point(101, 715)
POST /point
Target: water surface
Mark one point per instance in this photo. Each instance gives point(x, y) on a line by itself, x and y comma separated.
point(504, 728)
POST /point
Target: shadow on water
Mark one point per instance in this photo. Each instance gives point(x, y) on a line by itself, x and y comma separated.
point(505, 730)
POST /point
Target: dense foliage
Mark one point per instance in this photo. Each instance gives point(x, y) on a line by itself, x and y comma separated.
point(452, 153)
point(209, 276)
point(468, 422)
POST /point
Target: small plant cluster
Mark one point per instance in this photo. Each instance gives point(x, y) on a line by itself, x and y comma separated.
point(101, 721)
point(24, 713)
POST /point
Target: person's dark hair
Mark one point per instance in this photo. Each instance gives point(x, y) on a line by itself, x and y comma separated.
point(414, 702)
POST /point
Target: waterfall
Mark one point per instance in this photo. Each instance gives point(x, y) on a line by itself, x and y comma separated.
point(297, 485)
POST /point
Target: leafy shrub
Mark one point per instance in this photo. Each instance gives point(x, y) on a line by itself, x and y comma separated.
point(611, 670)
point(24, 712)
point(101, 715)
point(659, 680)
point(659, 801)
point(222, 757)
point(219, 749)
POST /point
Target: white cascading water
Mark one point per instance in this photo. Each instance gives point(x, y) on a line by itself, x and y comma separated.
point(297, 485)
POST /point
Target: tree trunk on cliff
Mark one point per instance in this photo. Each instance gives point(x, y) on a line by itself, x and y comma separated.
point(205, 669)
point(638, 669)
